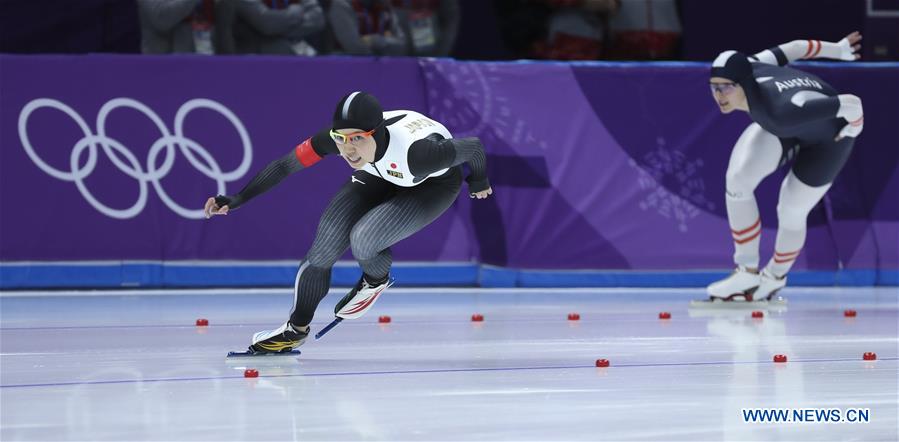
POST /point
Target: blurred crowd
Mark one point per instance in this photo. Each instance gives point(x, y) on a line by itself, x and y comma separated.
point(534, 29)
point(591, 29)
point(299, 27)
point(463, 29)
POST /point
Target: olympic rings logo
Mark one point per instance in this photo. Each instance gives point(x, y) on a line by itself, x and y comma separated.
point(199, 157)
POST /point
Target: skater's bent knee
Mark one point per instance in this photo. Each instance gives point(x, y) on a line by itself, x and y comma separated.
point(364, 247)
point(739, 185)
point(323, 259)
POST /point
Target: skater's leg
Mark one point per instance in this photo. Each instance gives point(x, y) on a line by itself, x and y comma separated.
point(398, 218)
point(332, 239)
point(811, 177)
point(410, 210)
point(796, 201)
point(755, 156)
point(314, 275)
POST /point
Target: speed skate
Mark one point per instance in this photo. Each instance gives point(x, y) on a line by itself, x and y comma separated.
point(744, 289)
point(260, 354)
point(776, 302)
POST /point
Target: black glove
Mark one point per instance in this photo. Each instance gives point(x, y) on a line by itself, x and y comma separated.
point(224, 200)
point(475, 186)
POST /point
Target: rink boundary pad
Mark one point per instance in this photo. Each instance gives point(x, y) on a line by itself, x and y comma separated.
point(148, 274)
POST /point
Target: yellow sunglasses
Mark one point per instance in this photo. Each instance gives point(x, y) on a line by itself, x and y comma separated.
point(354, 137)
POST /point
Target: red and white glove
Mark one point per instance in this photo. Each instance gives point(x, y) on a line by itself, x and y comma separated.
point(846, 49)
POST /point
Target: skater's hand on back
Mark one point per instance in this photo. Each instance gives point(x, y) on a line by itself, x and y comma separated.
point(482, 194)
point(852, 111)
point(216, 206)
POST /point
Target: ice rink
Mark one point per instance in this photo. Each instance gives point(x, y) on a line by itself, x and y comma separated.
point(133, 366)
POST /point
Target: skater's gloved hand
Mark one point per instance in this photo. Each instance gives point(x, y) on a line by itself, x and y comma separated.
point(482, 194)
point(478, 188)
point(849, 47)
point(850, 110)
point(217, 205)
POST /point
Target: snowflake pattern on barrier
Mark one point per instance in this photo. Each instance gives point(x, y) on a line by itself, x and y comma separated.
point(662, 166)
point(474, 104)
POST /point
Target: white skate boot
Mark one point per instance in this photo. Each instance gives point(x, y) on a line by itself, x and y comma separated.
point(769, 286)
point(360, 299)
point(740, 286)
point(357, 302)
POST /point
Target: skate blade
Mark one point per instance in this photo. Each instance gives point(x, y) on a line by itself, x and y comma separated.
point(251, 354)
point(774, 304)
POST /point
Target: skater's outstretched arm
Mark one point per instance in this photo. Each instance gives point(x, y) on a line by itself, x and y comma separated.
point(304, 155)
point(434, 153)
point(845, 49)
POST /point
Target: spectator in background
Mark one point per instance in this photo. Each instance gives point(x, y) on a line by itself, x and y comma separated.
point(201, 26)
point(430, 25)
point(556, 29)
point(521, 24)
point(366, 27)
point(646, 30)
point(283, 27)
point(577, 30)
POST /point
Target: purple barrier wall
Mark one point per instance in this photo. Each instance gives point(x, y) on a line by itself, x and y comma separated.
point(600, 166)
point(277, 103)
point(622, 166)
